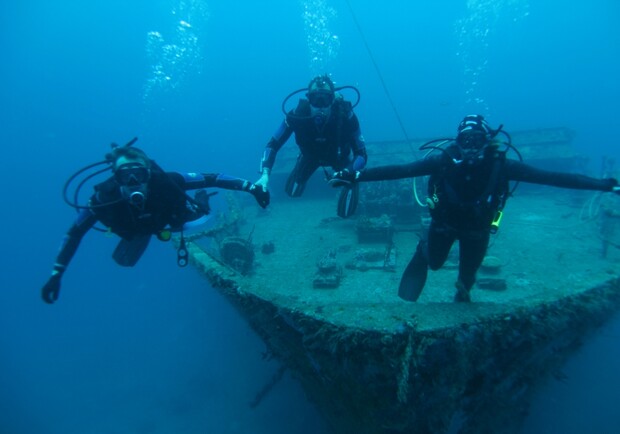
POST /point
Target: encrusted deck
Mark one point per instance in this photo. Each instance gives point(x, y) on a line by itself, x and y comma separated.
point(373, 363)
point(322, 293)
point(546, 246)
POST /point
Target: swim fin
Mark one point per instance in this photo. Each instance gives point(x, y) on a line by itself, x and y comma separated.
point(462, 293)
point(348, 200)
point(129, 252)
point(292, 187)
point(414, 276)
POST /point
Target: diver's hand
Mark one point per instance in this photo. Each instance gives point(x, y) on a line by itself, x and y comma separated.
point(261, 195)
point(616, 189)
point(51, 290)
point(344, 177)
point(263, 181)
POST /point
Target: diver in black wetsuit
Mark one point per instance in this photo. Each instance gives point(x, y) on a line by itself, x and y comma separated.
point(327, 132)
point(141, 200)
point(467, 190)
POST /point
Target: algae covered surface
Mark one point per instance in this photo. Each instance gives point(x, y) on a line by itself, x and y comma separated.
point(373, 363)
point(547, 248)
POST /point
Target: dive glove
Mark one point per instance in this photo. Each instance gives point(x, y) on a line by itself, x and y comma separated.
point(51, 290)
point(261, 195)
point(344, 177)
point(263, 181)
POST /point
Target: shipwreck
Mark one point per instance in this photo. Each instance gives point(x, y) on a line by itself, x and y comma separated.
point(321, 291)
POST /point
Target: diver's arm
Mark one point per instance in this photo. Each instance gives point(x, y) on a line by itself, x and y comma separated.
point(86, 219)
point(226, 182)
point(360, 158)
point(384, 173)
point(279, 138)
point(192, 181)
point(422, 167)
point(517, 171)
point(282, 134)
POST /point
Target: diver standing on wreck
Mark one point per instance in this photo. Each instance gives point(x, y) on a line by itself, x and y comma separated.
point(140, 200)
point(327, 132)
point(467, 190)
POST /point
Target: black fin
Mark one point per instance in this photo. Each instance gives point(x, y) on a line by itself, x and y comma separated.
point(129, 252)
point(348, 200)
point(292, 187)
point(414, 276)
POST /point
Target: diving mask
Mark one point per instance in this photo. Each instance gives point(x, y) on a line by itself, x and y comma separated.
point(474, 133)
point(132, 174)
point(472, 140)
point(133, 179)
point(321, 98)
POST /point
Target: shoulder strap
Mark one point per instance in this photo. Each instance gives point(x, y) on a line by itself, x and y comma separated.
point(496, 193)
point(342, 110)
point(302, 109)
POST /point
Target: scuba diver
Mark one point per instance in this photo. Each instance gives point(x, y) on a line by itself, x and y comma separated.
point(327, 132)
point(140, 200)
point(467, 190)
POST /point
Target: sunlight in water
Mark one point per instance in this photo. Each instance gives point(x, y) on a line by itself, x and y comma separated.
point(473, 34)
point(323, 45)
point(174, 57)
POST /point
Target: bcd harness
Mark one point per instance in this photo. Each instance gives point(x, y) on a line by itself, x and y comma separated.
point(494, 195)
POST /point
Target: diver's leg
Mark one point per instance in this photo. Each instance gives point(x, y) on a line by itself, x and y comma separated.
point(414, 277)
point(349, 194)
point(348, 200)
point(433, 250)
point(129, 251)
point(473, 247)
point(296, 182)
point(440, 240)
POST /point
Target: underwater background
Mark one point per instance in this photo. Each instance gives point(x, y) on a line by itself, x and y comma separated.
point(153, 349)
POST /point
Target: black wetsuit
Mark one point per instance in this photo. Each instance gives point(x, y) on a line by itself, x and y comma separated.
point(167, 205)
point(161, 203)
point(466, 195)
point(330, 143)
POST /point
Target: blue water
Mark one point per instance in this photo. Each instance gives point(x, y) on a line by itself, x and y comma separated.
point(153, 349)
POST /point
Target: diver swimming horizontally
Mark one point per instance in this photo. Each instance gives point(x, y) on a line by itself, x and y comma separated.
point(467, 190)
point(327, 132)
point(140, 200)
